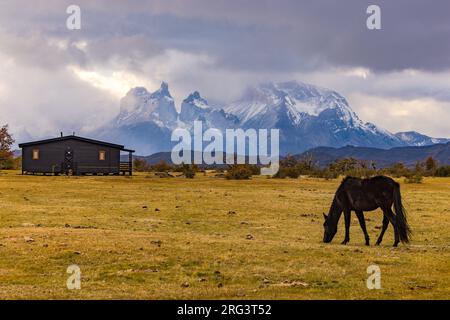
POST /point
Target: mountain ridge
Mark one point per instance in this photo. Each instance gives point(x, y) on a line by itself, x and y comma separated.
point(408, 155)
point(308, 116)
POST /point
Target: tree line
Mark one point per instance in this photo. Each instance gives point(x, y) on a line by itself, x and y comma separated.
point(292, 167)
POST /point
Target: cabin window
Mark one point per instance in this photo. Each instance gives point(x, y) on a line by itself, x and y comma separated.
point(35, 154)
point(102, 155)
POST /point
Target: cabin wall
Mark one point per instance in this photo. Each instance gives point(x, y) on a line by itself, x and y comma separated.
point(85, 157)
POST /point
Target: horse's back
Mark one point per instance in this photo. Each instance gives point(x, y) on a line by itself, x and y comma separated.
point(366, 194)
point(376, 180)
point(380, 182)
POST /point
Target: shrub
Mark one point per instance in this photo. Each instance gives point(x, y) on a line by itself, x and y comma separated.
point(361, 172)
point(239, 172)
point(416, 176)
point(292, 168)
point(443, 171)
point(398, 170)
point(414, 179)
point(140, 165)
point(287, 172)
point(161, 166)
point(189, 170)
point(349, 167)
point(256, 171)
point(327, 174)
point(11, 163)
point(431, 166)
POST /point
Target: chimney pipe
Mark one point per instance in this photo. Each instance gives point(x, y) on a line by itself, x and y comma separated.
point(61, 134)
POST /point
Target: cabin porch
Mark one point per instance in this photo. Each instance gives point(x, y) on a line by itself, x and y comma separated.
point(127, 166)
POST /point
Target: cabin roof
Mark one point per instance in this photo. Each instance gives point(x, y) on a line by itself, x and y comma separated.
point(73, 137)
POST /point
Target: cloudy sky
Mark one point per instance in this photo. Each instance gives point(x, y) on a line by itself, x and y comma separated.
point(54, 79)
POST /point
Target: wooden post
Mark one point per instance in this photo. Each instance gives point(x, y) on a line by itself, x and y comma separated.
point(130, 163)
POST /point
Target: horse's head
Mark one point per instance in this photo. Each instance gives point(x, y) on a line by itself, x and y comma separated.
point(329, 229)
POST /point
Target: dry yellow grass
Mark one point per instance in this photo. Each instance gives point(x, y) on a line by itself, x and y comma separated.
point(211, 238)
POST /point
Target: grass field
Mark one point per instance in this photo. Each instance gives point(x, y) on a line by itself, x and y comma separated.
point(208, 238)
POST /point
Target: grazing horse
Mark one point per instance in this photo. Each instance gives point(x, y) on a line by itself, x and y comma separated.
point(366, 195)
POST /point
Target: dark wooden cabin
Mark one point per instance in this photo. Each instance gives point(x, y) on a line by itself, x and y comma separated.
point(74, 155)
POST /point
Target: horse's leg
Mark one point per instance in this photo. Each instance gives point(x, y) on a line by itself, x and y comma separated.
point(362, 223)
point(383, 229)
point(392, 220)
point(397, 233)
point(347, 225)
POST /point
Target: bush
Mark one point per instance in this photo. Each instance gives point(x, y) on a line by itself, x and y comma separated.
point(361, 172)
point(353, 167)
point(140, 165)
point(293, 168)
point(416, 175)
point(161, 166)
point(239, 172)
point(346, 167)
point(414, 179)
point(398, 170)
point(431, 166)
point(287, 172)
point(290, 167)
point(11, 163)
point(443, 171)
point(256, 171)
point(327, 174)
point(189, 170)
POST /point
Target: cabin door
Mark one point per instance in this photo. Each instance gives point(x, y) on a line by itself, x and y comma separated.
point(68, 167)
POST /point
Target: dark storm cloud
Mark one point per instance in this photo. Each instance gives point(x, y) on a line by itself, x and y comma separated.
point(286, 35)
point(254, 35)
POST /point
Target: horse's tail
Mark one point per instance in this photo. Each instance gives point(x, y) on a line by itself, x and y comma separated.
point(402, 224)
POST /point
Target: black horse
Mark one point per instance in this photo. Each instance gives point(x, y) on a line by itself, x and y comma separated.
point(366, 195)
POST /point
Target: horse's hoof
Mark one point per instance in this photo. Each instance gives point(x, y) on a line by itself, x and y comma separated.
point(368, 244)
point(378, 243)
point(344, 242)
point(395, 245)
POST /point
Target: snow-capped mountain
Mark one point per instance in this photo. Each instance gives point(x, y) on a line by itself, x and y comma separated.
point(414, 138)
point(262, 104)
point(194, 107)
point(146, 120)
point(141, 106)
point(307, 116)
